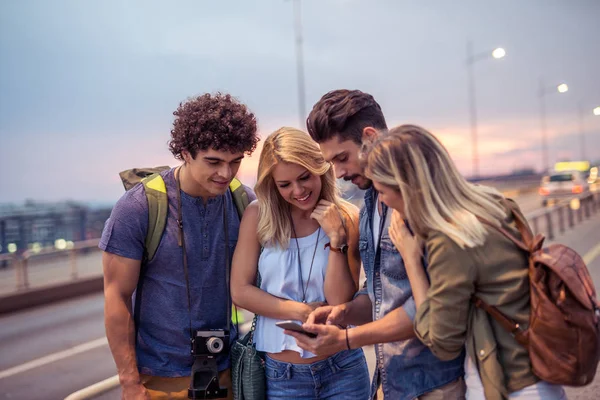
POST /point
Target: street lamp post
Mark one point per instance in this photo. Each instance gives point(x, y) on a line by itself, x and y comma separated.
point(471, 60)
point(582, 113)
point(299, 63)
point(543, 91)
point(582, 130)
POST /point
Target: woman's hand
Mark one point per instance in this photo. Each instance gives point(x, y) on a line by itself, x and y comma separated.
point(410, 250)
point(328, 216)
point(307, 308)
point(407, 244)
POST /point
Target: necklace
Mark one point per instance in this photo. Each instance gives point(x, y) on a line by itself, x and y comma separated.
point(302, 288)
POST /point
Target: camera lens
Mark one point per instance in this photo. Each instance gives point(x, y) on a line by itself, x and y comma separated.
point(214, 345)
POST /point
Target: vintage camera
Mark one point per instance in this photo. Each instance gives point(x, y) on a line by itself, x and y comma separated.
point(206, 346)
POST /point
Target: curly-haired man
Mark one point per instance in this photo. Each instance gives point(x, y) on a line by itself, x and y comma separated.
point(210, 135)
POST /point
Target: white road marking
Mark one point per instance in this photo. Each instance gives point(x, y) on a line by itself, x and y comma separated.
point(591, 255)
point(50, 358)
point(96, 389)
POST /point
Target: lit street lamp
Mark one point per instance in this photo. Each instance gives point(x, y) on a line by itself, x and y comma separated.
point(597, 111)
point(543, 92)
point(471, 60)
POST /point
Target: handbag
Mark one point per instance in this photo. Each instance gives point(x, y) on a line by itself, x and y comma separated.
point(248, 379)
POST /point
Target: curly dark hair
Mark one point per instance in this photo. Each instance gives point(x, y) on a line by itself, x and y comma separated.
point(346, 113)
point(217, 121)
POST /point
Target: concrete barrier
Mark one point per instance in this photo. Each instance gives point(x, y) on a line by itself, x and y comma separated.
point(27, 298)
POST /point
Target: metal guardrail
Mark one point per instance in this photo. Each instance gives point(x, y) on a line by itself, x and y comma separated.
point(22, 261)
point(557, 219)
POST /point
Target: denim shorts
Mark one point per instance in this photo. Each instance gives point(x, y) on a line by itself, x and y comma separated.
point(344, 375)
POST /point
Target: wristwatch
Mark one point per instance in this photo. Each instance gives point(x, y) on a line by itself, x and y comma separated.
point(342, 249)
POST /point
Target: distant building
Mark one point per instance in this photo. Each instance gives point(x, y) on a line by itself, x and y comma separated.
point(42, 224)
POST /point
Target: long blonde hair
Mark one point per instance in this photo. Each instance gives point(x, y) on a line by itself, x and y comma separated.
point(436, 196)
point(288, 145)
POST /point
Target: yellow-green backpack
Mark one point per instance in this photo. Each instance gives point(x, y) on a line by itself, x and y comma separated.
point(158, 203)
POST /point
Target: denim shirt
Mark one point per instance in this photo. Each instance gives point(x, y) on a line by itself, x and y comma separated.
point(405, 369)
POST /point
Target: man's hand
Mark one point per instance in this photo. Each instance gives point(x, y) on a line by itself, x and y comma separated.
point(134, 391)
point(328, 216)
point(309, 308)
point(330, 339)
point(330, 315)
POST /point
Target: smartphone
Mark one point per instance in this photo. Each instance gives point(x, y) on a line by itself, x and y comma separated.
point(294, 326)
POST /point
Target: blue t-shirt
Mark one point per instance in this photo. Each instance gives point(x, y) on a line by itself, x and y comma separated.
point(163, 340)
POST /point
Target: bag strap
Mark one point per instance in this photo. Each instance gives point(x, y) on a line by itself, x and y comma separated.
point(255, 319)
point(508, 324)
point(526, 244)
point(240, 197)
point(181, 243)
point(521, 224)
point(158, 204)
point(185, 264)
point(527, 236)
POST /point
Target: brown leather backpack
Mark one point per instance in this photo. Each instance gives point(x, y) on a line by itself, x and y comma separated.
point(563, 337)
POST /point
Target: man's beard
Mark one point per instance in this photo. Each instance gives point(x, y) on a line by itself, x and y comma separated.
point(365, 182)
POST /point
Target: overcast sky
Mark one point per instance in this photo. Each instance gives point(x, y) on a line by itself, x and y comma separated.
point(87, 88)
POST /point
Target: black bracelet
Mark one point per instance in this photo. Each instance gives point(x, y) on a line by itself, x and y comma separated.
point(347, 340)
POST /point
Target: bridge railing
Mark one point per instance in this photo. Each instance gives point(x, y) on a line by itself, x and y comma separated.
point(556, 220)
point(57, 265)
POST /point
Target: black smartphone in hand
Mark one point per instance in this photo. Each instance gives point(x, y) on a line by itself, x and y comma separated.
point(294, 326)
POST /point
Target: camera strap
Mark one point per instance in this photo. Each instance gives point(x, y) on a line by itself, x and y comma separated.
point(181, 242)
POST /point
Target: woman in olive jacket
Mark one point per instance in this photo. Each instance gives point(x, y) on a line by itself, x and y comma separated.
point(415, 176)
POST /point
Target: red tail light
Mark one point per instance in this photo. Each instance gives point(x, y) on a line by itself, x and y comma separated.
point(577, 189)
point(543, 191)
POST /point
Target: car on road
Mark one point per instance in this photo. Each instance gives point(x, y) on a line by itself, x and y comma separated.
point(562, 186)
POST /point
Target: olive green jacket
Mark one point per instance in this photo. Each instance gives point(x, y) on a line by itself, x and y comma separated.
point(447, 321)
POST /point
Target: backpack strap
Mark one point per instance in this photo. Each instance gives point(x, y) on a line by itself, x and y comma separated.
point(528, 241)
point(240, 197)
point(158, 205)
point(519, 243)
point(508, 324)
point(527, 244)
point(521, 223)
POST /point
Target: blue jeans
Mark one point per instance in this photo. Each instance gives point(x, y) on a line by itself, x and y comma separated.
point(344, 375)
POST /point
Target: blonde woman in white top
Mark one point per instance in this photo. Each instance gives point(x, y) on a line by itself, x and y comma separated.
point(309, 257)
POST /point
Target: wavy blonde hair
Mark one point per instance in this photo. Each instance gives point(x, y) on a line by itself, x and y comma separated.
point(436, 196)
point(289, 145)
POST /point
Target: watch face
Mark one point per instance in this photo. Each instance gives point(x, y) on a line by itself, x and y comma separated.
point(344, 248)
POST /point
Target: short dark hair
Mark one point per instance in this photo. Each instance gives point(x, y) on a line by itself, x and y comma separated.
point(217, 121)
point(345, 113)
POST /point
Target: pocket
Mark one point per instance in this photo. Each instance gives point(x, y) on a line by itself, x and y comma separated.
point(391, 262)
point(362, 245)
point(349, 361)
point(363, 248)
point(277, 372)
